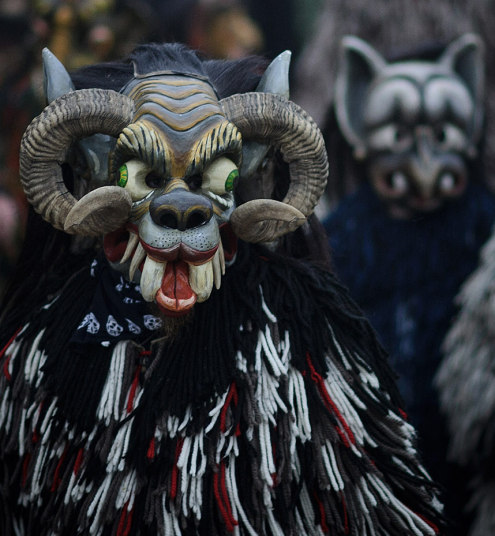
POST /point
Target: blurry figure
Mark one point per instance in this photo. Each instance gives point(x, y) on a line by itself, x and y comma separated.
point(466, 381)
point(276, 20)
point(410, 235)
point(10, 235)
point(224, 30)
point(396, 28)
point(84, 31)
point(217, 28)
point(20, 102)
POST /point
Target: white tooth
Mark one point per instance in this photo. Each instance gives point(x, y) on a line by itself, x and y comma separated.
point(131, 244)
point(139, 255)
point(221, 257)
point(151, 278)
point(217, 270)
point(201, 280)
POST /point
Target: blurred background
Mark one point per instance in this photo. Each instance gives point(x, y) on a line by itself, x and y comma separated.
point(80, 32)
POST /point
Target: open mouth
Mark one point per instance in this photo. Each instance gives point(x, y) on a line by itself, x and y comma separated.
point(175, 278)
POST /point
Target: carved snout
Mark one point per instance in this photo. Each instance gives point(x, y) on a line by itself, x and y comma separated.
point(181, 210)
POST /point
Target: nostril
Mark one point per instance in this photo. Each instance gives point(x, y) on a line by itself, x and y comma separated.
point(196, 219)
point(168, 219)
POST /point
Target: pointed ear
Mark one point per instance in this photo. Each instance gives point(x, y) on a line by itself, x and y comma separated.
point(95, 148)
point(359, 65)
point(274, 80)
point(57, 81)
point(466, 57)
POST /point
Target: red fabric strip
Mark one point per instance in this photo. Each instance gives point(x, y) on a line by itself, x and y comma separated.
point(11, 340)
point(56, 478)
point(175, 470)
point(223, 415)
point(329, 403)
point(321, 508)
point(224, 508)
point(134, 386)
point(78, 462)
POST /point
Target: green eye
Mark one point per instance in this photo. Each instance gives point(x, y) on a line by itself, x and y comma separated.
point(229, 183)
point(124, 176)
point(133, 177)
point(220, 176)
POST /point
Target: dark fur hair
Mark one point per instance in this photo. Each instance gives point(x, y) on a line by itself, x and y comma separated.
point(227, 76)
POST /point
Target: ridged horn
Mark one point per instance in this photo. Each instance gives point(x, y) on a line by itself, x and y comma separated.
point(44, 148)
point(265, 116)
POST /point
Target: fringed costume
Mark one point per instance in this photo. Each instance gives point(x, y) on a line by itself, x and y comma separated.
point(177, 378)
point(273, 412)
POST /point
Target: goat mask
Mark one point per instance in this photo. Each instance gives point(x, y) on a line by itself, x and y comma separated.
point(168, 193)
point(415, 123)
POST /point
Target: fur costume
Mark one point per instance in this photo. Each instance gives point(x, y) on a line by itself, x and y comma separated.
point(406, 240)
point(384, 262)
point(265, 407)
point(465, 381)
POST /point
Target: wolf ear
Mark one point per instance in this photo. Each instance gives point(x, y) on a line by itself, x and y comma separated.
point(359, 65)
point(274, 80)
point(56, 79)
point(95, 148)
point(465, 57)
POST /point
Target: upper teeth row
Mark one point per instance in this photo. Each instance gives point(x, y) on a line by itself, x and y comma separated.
point(201, 278)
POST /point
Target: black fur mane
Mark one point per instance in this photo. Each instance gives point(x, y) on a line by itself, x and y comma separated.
point(227, 76)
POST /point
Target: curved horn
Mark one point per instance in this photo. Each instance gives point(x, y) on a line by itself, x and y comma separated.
point(44, 148)
point(265, 116)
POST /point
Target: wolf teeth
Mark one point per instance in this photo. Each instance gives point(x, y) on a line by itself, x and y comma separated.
point(201, 280)
point(131, 244)
point(218, 266)
point(151, 278)
point(139, 256)
point(221, 256)
point(217, 271)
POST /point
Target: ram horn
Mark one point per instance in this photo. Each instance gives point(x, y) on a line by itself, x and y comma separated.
point(265, 116)
point(44, 148)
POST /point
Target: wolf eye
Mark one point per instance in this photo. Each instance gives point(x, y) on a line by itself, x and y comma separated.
point(220, 176)
point(123, 176)
point(153, 180)
point(133, 176)
point(451, 138)
point(194, 182)
point(390, 138)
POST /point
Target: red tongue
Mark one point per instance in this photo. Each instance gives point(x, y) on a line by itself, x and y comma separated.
point(175, 296)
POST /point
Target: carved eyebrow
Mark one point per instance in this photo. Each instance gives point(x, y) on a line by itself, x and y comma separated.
point(396, 98)
point(446, 98)
point(222, 139)
point(140, 141)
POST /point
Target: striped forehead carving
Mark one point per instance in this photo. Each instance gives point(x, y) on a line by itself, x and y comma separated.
point(178, 124)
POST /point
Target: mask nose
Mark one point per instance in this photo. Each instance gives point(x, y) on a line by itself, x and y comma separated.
point(426, 165)
point(181, 210)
